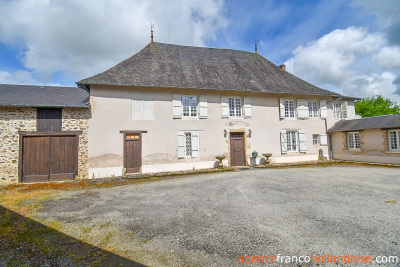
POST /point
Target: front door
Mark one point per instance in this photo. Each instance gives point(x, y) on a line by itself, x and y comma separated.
point(133, 152)
point(238, 157)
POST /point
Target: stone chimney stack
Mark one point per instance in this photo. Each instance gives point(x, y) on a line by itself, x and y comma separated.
point(283, 66)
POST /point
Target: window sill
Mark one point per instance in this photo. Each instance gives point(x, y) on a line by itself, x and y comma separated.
point(353, 150)
point(392, 152)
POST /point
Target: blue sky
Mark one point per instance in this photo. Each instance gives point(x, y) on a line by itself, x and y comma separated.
point(350, 47)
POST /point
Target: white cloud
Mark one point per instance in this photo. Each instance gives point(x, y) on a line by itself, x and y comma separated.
point(17, 77)
point(327, 59)
point(349, 61)
point(82, 38)
point(388, 57)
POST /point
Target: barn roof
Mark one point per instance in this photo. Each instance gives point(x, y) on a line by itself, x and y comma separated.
point(175, 66)
point(43, 96)
point(378, 122)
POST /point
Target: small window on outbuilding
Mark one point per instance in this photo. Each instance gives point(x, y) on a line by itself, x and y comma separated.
point(49, 119)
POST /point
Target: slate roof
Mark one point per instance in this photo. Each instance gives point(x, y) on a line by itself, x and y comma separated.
point(42, 96)
point(379, 122)
point(175, 66)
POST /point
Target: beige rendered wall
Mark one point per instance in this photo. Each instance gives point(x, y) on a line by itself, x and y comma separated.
point(112, 112)
point(373, 147)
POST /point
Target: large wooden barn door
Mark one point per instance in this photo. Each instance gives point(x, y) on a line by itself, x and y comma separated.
point(48, 157)
point(35, 158)
point(63, 157)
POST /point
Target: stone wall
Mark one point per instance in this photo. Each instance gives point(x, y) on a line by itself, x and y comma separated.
point(77, 119)
point(13, 120)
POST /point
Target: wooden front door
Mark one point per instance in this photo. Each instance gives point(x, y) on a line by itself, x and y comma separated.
point(238, 157)
point(49, 158)
point(133, 152)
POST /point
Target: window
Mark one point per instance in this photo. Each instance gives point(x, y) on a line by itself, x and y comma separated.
point(394, 140)
point(336, 110)
point(353, 141)
point(188, 144)
point(315, 139)
point(312, 109)
point(142, 106)
point(189, 106)
point(289, 108)
point(293, 141)
point(291, 138)
point(235, 107)
point(49, 119)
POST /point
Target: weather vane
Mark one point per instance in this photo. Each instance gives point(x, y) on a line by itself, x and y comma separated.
point(151, 28)
point(256, 41)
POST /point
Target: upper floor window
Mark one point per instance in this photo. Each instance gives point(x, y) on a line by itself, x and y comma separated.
point(394, 140)
point(353, 141)
point(289, 108)
point(312, 109)
point(49, 119)
point(142, 106)
point(336, 110)
point(339, 110)
point(235, 107)
point(189, 106)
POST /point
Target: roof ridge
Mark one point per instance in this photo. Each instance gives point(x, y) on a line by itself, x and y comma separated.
point(205, 47)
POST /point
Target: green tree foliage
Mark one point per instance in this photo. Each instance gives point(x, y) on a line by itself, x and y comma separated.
point(376, 106)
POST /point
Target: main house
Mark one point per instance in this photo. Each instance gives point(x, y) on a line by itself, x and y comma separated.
point(172, 107)
point(167, 108)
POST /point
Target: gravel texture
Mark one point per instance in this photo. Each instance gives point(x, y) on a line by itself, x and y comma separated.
point(212, 219)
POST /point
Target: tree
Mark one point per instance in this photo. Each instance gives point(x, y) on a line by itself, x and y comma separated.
point(376, 106)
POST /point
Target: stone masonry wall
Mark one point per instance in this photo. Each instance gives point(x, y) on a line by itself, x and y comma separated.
point(77, 119)
point(13, 120)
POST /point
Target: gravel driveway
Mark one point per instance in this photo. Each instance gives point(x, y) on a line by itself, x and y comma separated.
point(213, 219)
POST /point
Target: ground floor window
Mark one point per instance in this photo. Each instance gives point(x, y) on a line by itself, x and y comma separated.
point(353, 141)
point(293, 141)
point(188, 144)
point(315, 139)
point(394, 140)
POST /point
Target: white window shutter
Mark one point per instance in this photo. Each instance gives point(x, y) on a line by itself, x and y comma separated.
point(177, 106)
point(203, 107)
point(284, 142)
point(323, 140)
point(195, 144)
point(282, 107)
point(142, 106)
point(302, 109)
point(181, 144)
point(323, 111)
point(247, 107)
point(302, 141)
point(224, 106)
point(344, 110)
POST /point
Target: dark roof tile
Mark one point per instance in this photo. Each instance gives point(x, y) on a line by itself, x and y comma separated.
point(175, 66)
point(378, 122)
point(42, 96)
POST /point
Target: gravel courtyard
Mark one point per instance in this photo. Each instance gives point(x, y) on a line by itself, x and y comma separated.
point(213, 219)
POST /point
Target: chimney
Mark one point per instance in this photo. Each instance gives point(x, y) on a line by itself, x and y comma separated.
point(283, 66)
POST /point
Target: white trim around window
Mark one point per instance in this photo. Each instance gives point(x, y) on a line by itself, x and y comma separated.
point(353, 140)
point(287, 108)
point(394, 140)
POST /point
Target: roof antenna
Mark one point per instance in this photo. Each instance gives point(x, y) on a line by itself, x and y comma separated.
point(255, 43)
point(152, 27)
